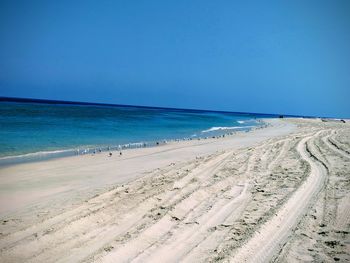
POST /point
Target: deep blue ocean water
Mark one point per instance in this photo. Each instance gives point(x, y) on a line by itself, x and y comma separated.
point(55, 129)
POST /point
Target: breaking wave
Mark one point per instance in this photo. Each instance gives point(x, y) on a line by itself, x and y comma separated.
point(213, 129)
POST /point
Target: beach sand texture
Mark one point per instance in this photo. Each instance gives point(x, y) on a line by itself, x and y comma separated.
point(279, 194)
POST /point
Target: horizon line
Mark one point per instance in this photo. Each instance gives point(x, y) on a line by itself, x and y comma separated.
point(85, 103)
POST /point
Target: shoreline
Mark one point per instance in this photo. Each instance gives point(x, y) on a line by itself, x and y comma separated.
point(86, 150)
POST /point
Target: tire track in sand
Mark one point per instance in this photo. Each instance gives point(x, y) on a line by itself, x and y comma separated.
point(333, 146)
point(274, 233)
point(149, 240)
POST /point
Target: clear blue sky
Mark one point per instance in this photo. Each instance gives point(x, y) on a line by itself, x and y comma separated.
point(288, 57)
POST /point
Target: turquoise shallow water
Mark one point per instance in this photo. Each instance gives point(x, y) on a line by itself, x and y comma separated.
point(56, 129)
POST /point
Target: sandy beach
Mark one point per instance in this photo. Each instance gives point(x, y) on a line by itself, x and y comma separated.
point(280, 193)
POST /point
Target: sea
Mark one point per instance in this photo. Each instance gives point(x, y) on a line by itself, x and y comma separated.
point(32, 130)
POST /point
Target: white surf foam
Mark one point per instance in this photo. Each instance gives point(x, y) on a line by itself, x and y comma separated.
point(212, 129)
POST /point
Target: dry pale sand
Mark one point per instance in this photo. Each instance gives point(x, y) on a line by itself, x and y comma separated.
point(279, 194)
